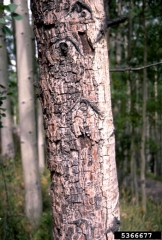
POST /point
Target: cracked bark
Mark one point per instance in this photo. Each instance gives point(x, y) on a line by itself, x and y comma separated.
point(74, 91)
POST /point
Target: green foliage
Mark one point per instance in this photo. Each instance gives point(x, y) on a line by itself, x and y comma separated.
point(4, 93)
point(2, 98)
point(127, 88)
point(8, 15)
point(6, 31)
point(44, 229)
point(12, 7)
point(2, 21)
point(153, 177)
point(134, 219)
point(16, 16)
point(13, 223)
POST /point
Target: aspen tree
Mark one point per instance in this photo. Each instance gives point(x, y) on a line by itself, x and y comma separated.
point(74, 91)
point(7, 144)
point(144, 122)
point(33, 198)
point(41, 157)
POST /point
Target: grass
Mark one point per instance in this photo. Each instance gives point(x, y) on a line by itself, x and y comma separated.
point(153, 177)
point(134, 219)
point(15, 226)
point(13, 223)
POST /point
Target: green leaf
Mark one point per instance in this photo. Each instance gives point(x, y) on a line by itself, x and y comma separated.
point(2, 98)
point(12, 83)
point(8, 18)
point(16, 16)
point(3, 92)
point(10, 94)
point(6, 31)
point(2, 7)
point(2, 86)
point(12, 7)
point(2, 21)
point(3, 109)
point(3, 114)
point(0, 46)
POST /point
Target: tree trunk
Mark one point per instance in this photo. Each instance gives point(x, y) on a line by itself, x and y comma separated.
point(143, 137)
point(74, 91)
point(40, 133)
point(155, 156)
point(7, 144)
point(130, 107)
point(33, 196)
point(118, 39)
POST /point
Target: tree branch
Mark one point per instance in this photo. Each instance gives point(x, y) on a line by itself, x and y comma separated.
point(128, 69)
point(116, 21)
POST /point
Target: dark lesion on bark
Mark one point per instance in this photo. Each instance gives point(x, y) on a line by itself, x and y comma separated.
point(81, 8)
point(67, 38)
point(64, 48)
point(86, 43)
point(115, 226)
point(92, 105)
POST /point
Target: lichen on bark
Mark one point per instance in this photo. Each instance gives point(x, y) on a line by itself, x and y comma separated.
point(75, 95)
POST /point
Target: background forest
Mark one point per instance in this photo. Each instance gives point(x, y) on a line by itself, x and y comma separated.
point(135, 55)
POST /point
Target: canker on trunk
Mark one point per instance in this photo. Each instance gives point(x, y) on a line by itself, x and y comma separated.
point(75, 97)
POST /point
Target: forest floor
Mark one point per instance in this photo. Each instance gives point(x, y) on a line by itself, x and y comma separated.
point(154, 190)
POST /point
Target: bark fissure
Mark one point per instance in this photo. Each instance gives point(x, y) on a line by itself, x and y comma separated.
point(77, 118)
point(87, 45)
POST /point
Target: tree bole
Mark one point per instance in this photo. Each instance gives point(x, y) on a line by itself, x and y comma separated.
point(74, 91)
point(33, 195)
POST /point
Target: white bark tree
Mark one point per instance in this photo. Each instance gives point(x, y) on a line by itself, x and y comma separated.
point(33, 197)
point(7, 144)
point(41, 156)
point(144, 116)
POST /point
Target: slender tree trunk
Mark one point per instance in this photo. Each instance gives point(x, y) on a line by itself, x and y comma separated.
point(156, 132)
point(74, 91)
point(40, 130)
point(118, 40)
point(7, 144)
point(134, 185)
point(143, 137)
point(40, 133)
point(33, 204)
point(130, 102)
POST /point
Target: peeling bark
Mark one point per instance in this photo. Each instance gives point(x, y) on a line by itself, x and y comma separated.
point(74, 91)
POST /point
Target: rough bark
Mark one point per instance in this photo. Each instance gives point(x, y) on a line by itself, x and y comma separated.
point(74, 91)
point(33, 198)
point(7, 144)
